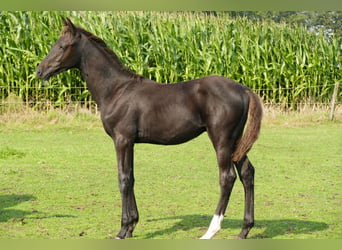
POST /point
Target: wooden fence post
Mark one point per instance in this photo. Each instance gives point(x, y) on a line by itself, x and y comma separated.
point(334, 101)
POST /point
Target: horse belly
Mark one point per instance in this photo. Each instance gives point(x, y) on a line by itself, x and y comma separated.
point(170, 129)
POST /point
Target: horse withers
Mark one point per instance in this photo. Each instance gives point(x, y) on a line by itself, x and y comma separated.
point(138, 110)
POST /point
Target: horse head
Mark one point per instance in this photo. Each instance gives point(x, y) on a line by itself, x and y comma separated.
point(63, 54)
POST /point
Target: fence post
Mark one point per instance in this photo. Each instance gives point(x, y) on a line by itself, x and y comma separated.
point(334, 101)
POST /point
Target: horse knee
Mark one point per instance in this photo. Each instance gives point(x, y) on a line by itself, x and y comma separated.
point(126, 182)
point(231, 175)
point(228, 178)
point(246, 171)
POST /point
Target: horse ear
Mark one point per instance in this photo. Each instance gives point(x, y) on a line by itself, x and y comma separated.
point(69, 26)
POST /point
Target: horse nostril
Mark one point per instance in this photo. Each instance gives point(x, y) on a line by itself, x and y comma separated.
point(39, 73)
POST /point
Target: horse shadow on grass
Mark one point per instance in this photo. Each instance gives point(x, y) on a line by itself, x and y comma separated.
point(7, 213)
point(272, 228)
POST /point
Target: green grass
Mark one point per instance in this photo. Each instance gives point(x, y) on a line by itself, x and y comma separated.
point(59, 181)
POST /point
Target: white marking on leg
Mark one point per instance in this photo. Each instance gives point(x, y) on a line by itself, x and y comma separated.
point(215, 226)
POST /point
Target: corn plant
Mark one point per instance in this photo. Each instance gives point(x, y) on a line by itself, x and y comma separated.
point(283, 63)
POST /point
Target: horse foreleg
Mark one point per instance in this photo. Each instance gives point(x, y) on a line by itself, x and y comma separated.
point(227, 180)
point(130, 214)
point(246, 174)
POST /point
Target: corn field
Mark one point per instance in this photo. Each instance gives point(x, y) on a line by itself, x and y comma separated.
point(284, 64)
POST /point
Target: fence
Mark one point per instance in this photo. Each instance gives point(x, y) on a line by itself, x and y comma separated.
point(70, 99)
point(45, 98)
point(334, 101)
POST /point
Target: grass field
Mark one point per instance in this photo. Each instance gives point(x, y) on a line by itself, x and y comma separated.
point(59, 181)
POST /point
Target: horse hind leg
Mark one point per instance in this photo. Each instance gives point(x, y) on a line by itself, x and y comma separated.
point(246, 174)
point(227, 180)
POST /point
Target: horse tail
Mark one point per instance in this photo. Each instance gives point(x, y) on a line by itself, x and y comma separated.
point(245, 143)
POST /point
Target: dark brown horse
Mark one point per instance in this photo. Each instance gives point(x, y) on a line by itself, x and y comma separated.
point(138, 110)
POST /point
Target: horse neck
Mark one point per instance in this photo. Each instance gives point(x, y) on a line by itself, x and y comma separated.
point(102, 74)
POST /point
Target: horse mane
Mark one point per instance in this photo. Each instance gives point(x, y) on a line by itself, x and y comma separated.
point(108, 52)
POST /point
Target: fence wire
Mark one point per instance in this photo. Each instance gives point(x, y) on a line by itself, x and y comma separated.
point(52, 97)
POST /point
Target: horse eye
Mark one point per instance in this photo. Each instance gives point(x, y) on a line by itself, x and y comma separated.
point(61, 47)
